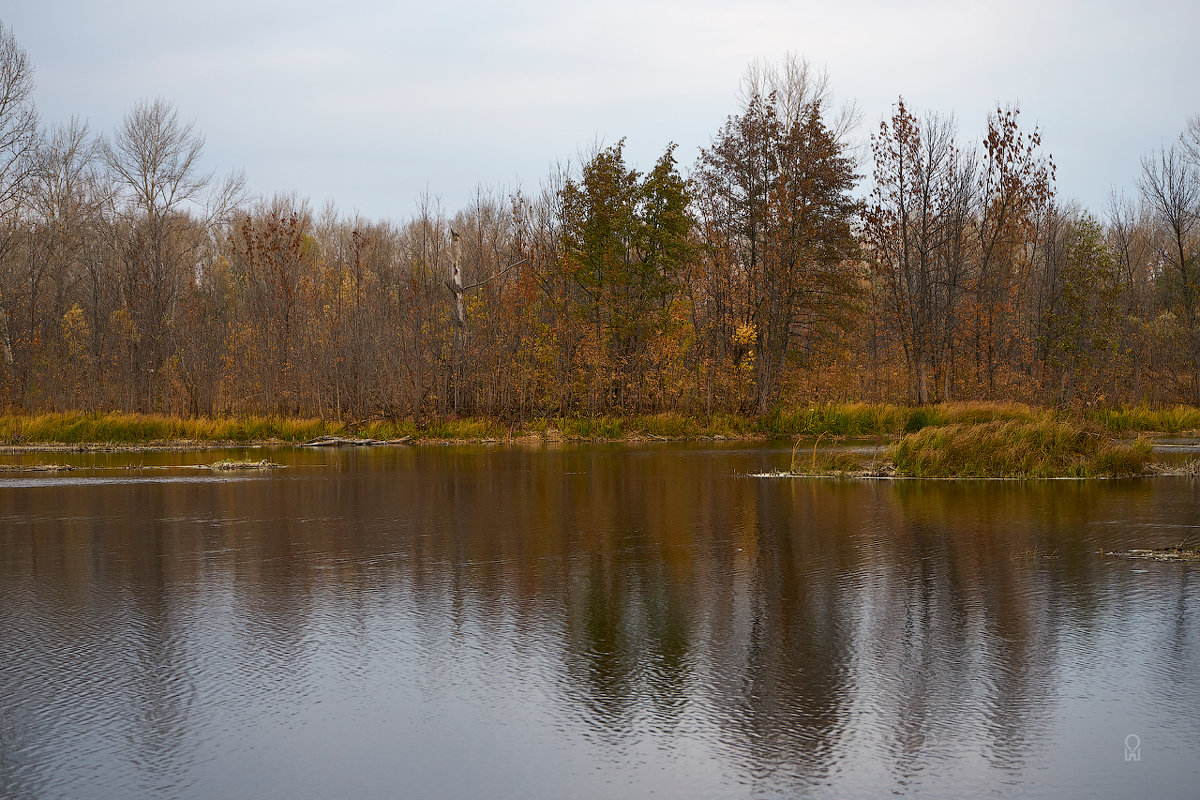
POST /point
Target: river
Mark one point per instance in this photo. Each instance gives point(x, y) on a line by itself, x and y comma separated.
point(588, 621)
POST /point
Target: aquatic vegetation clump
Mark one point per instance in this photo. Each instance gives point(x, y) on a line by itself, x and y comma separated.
point(1017, 449)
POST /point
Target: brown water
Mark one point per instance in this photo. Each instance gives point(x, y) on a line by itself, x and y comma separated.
point(588, 622)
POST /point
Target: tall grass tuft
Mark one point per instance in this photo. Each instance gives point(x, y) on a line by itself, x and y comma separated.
point(1016, 449)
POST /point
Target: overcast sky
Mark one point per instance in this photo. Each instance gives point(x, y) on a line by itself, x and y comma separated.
point(371, 103)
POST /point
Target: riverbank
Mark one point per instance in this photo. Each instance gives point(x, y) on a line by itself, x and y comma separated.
point(848, 420)
point(955, 441)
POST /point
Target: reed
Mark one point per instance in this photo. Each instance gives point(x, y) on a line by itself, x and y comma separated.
point(822, 462)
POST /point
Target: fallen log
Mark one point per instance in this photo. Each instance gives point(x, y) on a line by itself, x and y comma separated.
point(351, 441)
point(339, 441)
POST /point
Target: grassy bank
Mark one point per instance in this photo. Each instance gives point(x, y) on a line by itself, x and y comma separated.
point(133, 429)
point(115, 428)
point(830, 420)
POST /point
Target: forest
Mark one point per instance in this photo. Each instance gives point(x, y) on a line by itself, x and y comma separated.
point(796, 261)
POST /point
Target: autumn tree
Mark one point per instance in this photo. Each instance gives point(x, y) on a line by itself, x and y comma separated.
point(495, 325)
point(202, 326)
point(62, 230)
point(915, 228)
point(1132, 240)
point(1170, 184)
point(419, 351)
point(271, 256)
point(164, 210)
point(1014, 187)
point(548, 298)
point(18, 138)
point(625, 235)
point(1077, 309)
point(774, 197)
point(355, 316)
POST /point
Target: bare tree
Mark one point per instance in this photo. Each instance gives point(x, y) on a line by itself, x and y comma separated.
point(1014, 188)
point(1190, 139)
point(62, 216)
point(1171, 186)
point(18, 138)
point(915, 227)
point(165, 209)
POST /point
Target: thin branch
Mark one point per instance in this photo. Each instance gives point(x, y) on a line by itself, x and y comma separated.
point(492, 278)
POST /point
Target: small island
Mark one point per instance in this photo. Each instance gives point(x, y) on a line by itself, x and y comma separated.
point(997, 449)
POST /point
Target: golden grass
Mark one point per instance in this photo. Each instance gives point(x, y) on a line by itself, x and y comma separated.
point(879, 420)
point(883, 419)
point(80, 428)
point(1174, 420)
point(1017, 449)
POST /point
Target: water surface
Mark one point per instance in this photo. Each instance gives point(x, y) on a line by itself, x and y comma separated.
point(588, 622)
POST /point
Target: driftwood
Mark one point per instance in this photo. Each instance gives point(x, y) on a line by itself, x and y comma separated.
point(350, 441)
point(36, 468)
point(1179, 552)
point(233, 466)
point(338, 441)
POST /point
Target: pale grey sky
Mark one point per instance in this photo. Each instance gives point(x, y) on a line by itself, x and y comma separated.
point(370, 103)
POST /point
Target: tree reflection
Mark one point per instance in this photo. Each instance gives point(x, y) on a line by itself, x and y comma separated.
point(791, 628)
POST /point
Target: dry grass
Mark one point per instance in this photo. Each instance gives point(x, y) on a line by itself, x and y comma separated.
point(831, 420)
point(1173, 420)
point(881, 419)
point(80, 428)
point(828, 462)
point(1017, 449)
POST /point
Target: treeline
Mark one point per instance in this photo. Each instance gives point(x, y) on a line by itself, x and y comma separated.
point(131, 280)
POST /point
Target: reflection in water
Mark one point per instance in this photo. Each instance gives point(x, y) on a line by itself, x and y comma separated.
point(591, 622)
